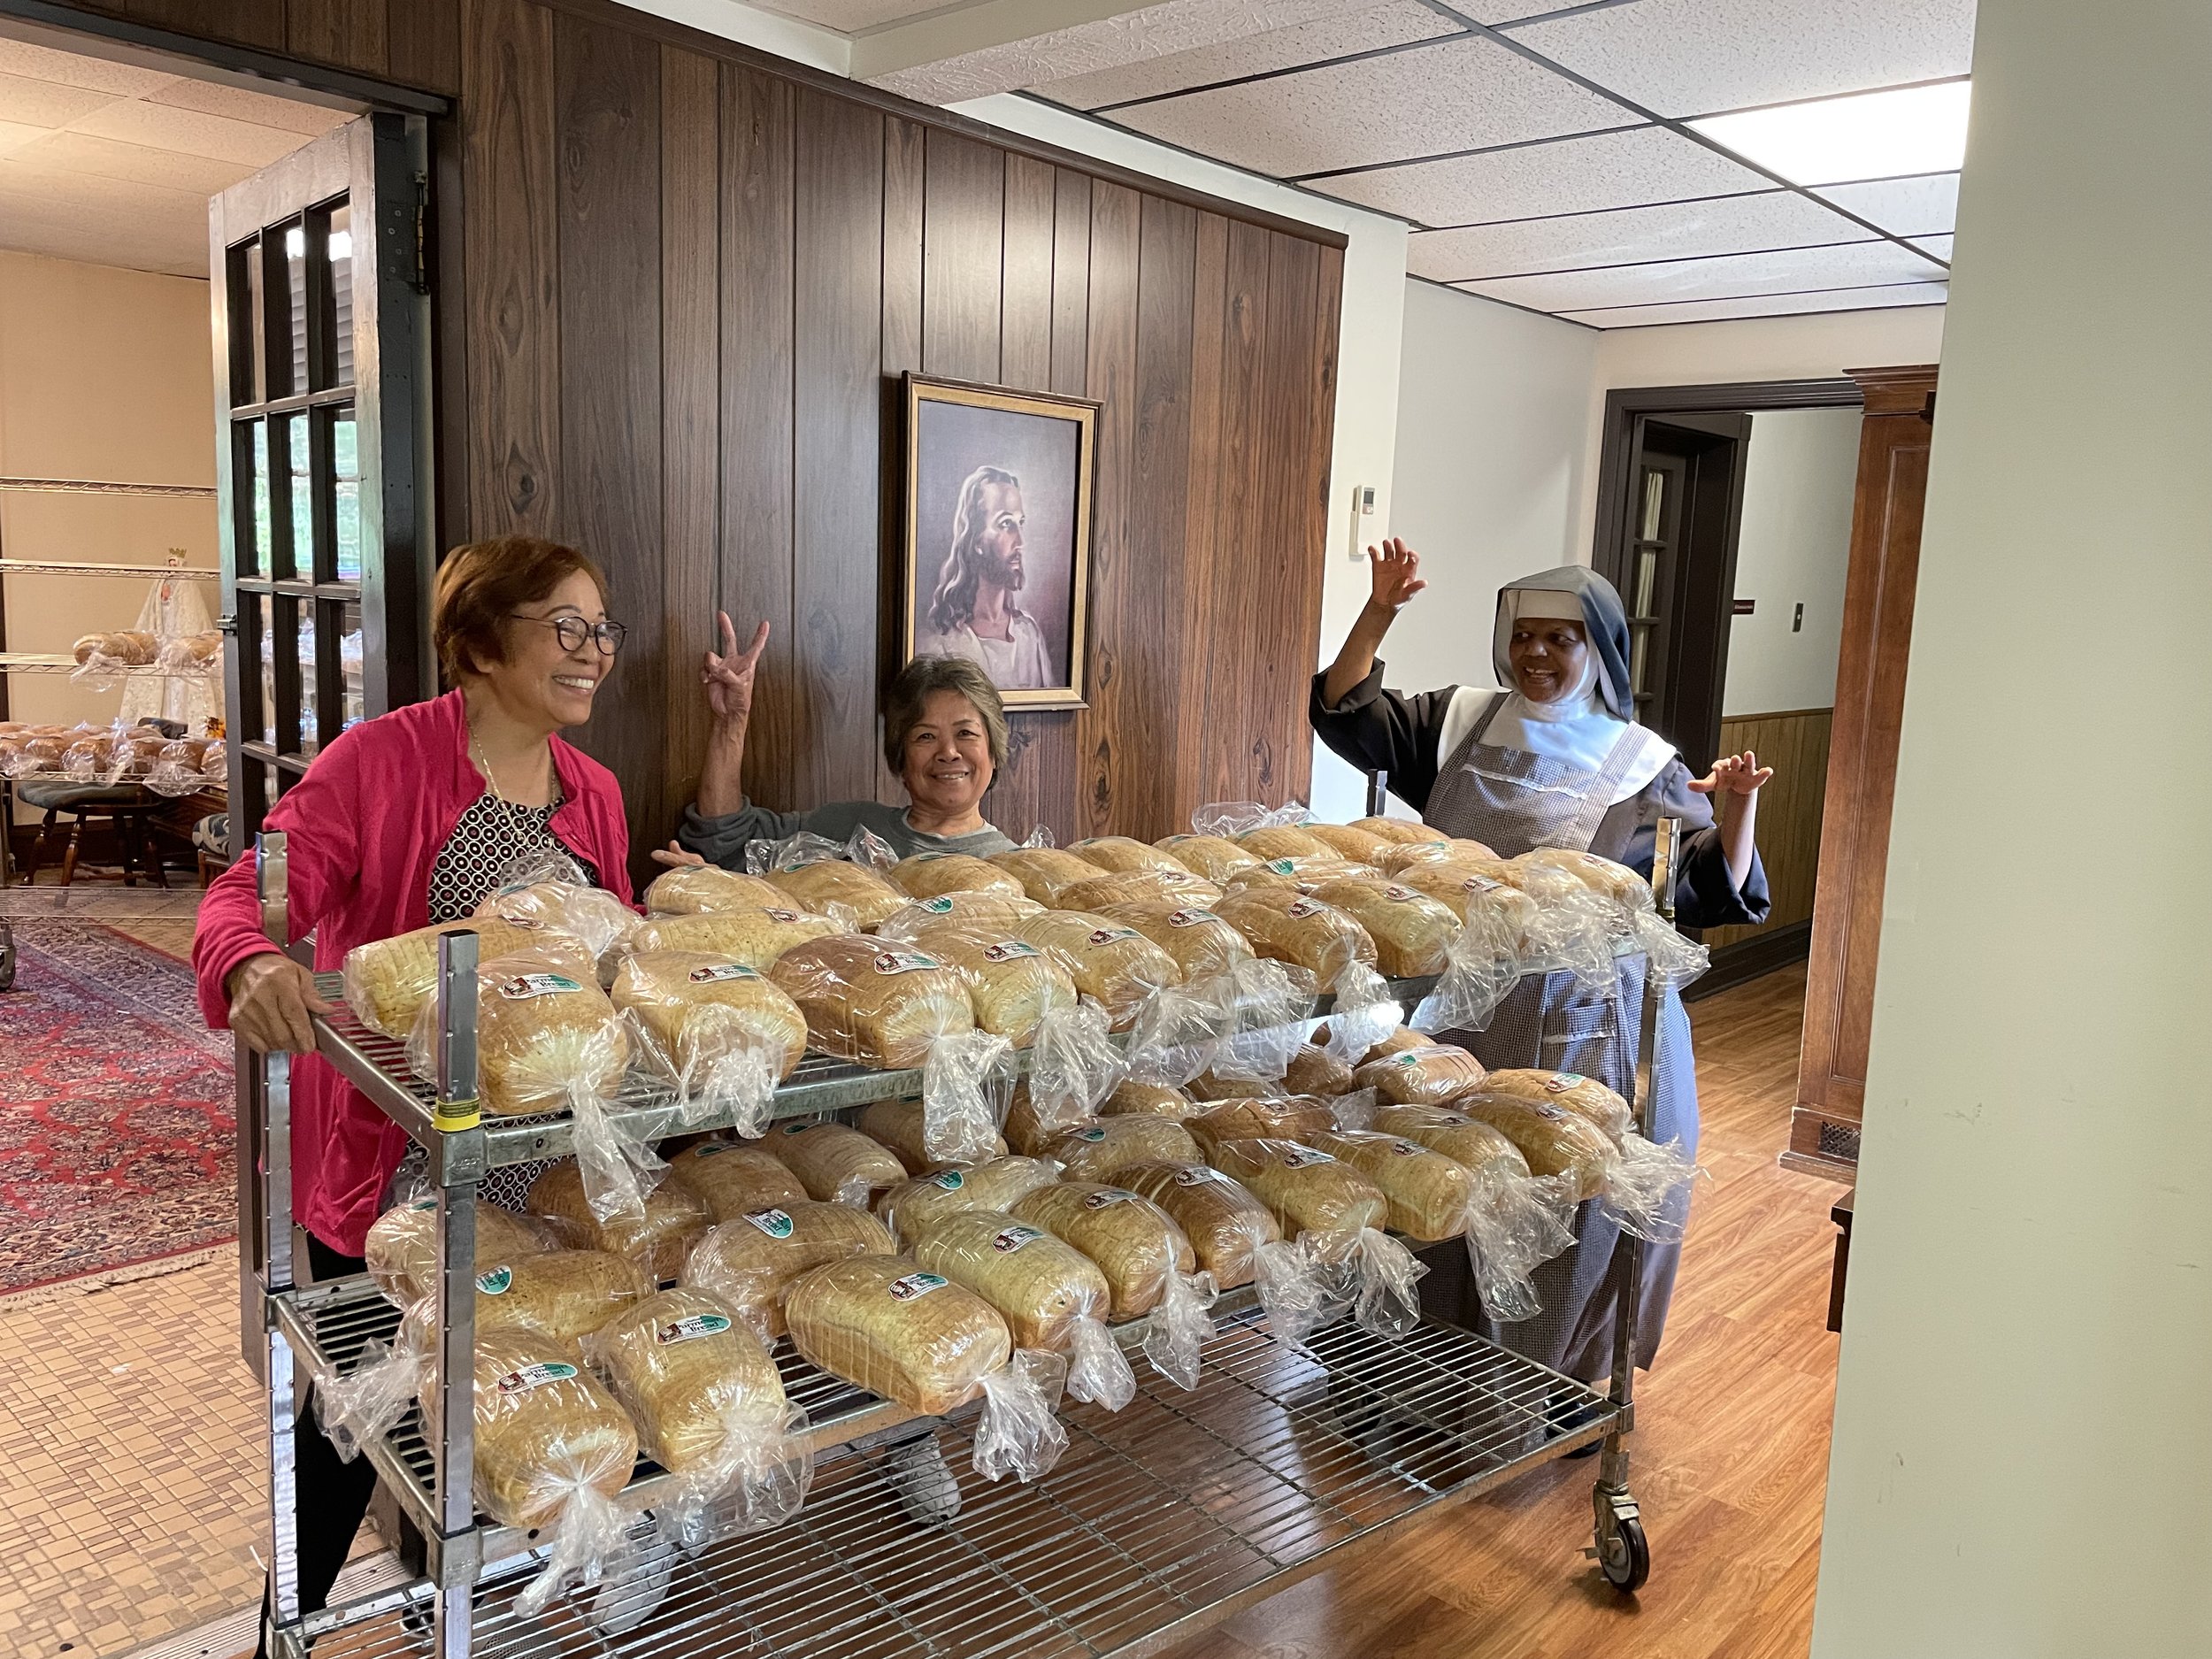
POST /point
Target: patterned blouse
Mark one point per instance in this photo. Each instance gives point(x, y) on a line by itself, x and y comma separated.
point(495, 842)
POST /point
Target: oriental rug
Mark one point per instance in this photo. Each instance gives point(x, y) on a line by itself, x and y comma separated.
point(116, 1115)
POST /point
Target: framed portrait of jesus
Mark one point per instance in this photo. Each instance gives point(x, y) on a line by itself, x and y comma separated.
point(999, 487)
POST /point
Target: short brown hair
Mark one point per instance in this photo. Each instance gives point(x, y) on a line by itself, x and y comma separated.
point(479, 585)
point(902, 703)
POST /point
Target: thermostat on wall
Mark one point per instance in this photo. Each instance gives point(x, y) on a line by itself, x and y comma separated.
point(1363, 510)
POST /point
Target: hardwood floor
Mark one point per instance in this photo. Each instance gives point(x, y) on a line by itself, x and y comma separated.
point(1730, 1462)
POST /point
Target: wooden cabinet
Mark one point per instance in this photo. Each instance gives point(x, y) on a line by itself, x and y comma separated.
point(1861, 767)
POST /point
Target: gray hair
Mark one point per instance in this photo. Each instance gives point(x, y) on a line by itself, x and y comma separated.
point(903, 703)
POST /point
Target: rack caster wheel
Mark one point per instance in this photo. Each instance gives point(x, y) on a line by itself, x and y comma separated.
point(1623, 1556)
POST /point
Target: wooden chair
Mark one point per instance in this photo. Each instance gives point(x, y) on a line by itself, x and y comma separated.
point(129, 807)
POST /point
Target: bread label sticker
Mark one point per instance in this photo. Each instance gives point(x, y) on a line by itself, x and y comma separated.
point(495, 1282)
point(1455, 1119)
point(1009, 950)
point(1405, 1148)
point(722, 970)
point(781, 916)
point(1397, 895)
point(690, 1328)
point(902, 961)
point(1479, 884)
point(1198, 1175)
point(927, 858)
point(1561, 1082)
point(523, 986)
point(1092, 1135)
point(1296, 1157)
point(775, 1222)
point(424, 1204)
point(521, 1382)
point(1190, 918)
point(1106, 1197)
point(1299, 908)
point(940, 906)
point(915, 1284)
point(1013, 1238)
point(800, 1129)
point(1411, 1056)
point(1283, 866)
point(951, 1180)
point(1111, 935)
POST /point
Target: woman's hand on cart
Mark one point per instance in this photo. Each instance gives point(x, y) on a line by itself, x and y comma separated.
point(271, 1000)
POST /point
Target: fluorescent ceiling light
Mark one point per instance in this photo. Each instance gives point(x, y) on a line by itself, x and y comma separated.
point(1865, 135)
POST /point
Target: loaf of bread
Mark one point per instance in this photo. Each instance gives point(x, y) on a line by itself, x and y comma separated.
point(1216, 858)
point(1133, 1240)
point(1044, 871)
point(1408, 853)
point(1361, 846)
point(1271, 1117)
point(132, 647)
point(914, 1207)
point(1397, 829)
point(1040, 1285)
point(1227, 1225)
point(1410, 929)
point(880, 1005)
point(704, 889)
point(1022, 1130)
point(1427, 1075)
point(1011, 983)
point(1131, 1097)
point(545, 1428)
point(1554, 1140)
point(1121, 853)
point(999, 910)
point(887, 1325)
point(665, 991)
point(828, 881)
point(1201, 942)
point(688, 1373)
point(929, 875)
point(563, 1294)
point(675, 1218)
point(1207, 1087)
point(597, 920)
point(1464, 1140)
point(387, 981)
point(1577, 1093)
point(751, 1261)
point(733, 1180)
point(402, 1252)
point(1284, 841)
point(1307, 1189)
point(836, 1164)
point(545, 1038)
point(897, 1124)
point(1288, 926)
point(1095, 1153)
point(1429, 1194)
point(755, 938)
point(1313, 1070)
point(1599, 875)
point(1137, 886)
point(1470, 892)
point(1111, 964)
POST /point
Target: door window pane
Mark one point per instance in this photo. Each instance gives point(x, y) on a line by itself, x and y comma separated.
point(310, 735)
point(264, 727)
point(300, 489)
point(341, 290)
point(345, 465)
point(355, 708)
point(292, 321)
point(250, 482)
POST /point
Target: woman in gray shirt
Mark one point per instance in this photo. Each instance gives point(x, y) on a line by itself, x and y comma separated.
point(944, 732)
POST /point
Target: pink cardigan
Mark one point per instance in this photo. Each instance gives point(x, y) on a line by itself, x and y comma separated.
point(365, 825)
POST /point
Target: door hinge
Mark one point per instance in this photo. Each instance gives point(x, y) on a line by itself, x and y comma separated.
point(421, 283)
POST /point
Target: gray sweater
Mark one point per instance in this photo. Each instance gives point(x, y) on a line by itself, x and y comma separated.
point(721, 841)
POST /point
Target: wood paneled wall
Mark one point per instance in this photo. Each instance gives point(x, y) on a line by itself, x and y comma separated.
point(688, 280)
point(1795, 744)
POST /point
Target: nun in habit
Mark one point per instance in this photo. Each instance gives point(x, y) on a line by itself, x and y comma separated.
point(1556, 759)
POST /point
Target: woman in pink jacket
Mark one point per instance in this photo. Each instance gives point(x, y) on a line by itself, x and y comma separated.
point(408, 820)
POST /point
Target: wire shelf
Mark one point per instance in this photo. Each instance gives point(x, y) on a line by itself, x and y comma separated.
point(93, 567)
point(1159, 1520)
point(91, 486)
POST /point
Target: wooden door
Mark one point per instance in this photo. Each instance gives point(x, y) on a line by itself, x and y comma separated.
point(1877, 603)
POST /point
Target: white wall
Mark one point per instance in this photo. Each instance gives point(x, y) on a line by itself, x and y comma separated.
point(2020, 1435)
point(1794, 546)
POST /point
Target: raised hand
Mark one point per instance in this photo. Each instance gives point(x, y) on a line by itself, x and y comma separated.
point(728, 676)
point(1734, 775)
point(1394, 571)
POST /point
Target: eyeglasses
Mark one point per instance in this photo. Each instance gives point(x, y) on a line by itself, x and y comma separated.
point(573, 631)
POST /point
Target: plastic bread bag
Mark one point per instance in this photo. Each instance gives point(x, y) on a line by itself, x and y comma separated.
point(709, 1407)
point(1364, 1013)
point(1109, 888)
point(1375, 1274)
point(888, 1325)
point(1099, 1153)
point(402, 1251)
point(367, 1402)
point(912, 1208)
point(877, 1005)
point(1044, 871)
point(388, 982)
point(1513, 1226)
point(823, 884)
point(734, 1180)
point(1040, 835)
point(1670, 958)
point(753, 937)
point(1290, 877)
point(1113, 965)
point(1201, 942)
point(673, 1219)
point(1051, 1295)
point(1283, 841)
point(1228, 819)
point(548, 1041)
point(1482, 963)
point(1428, 1075)
point(1216, 858)
point(1428, 1193)
point(1643, 1184)
point(933, 875)
point(1271, 1002)
point(1146, 1259)
point(1615, 882)
point(864, 847)
point(1313, 1070)
point(1411, 931)
point(177, 768)
point(1289, 926)
point(900, 1124)
point(1013, 986)
point(834, 1163)
point(1574, 928)
point(706, 890)
point(1227, 1225)
point(791, 852)
point(960, 1110)
point(1122, 854)
point(717, 1031)
point(751, 1262)
point(998, 911)
point(1336, 1213)
point(1074, 1066)
point(1276, 1117)
point(542, 898)
point(1179, 1031)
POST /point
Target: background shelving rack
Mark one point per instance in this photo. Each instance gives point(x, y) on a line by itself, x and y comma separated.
point(1159, 1521)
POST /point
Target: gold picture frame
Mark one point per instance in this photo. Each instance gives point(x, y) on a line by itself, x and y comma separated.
point(1000, 488)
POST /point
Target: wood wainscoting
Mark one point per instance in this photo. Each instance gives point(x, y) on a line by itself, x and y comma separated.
point(1794, 743)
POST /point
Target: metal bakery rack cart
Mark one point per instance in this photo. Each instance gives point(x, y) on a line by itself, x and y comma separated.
point(1158, 1522)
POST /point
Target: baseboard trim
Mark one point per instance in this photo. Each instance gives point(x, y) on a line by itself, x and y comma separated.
point(1827, 1169)
point(1749, 959)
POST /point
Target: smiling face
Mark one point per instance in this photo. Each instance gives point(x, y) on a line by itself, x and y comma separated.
point(947, 756)
point(1547, 656)
point(998, 547)
point(542, 681)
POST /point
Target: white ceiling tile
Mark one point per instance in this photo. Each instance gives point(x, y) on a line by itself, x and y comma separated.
point(1678, 230)
point(1851, 264)
point(1699, 56)
point(1939, 246)
point(15, 134)
point(1456, 94)
point(851, 16)
point(71, 69)
point(103, 221)
point(1924, 205)
point(1767, 305)
point(258, 109)
point(164, 126)
point(105, 157)
point(1579, 175)
point(1363, 28)
point(46, 102)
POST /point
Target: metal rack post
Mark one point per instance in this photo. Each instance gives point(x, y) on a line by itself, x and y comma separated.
point(276, 1250)
point(456, 1122)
